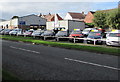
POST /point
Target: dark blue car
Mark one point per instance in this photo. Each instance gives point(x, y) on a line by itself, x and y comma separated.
point(95, 35)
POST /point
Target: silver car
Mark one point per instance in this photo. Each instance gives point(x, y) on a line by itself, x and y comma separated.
point(37, 33)
point(14, 31)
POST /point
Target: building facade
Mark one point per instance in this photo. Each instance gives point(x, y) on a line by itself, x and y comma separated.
point(66, 24)
point(25, 22)
point(89, 17)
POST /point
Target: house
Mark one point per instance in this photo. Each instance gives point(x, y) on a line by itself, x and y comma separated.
point(71, 21)
point(89, 17)
point(24, 22)
point(75, 16)
point(50, 17)
point(69, 25)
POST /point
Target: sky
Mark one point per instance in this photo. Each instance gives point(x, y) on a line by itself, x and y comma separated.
point(10, 9)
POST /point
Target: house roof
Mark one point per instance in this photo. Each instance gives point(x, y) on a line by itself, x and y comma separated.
point(50, 17)
point(77, 15)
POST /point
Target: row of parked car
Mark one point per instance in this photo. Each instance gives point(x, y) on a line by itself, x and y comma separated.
point(112, 38)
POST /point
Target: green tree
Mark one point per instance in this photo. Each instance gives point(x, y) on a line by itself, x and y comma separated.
point(113, 19)
point(90, 24)
point(100, 19)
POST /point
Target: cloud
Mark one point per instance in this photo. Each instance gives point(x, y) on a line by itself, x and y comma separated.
point(22, 8)
point(10, 9)
point(59, 0)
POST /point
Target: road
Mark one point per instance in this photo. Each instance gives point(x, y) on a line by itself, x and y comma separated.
point(40, 62)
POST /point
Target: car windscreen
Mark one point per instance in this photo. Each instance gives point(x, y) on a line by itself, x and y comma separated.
point(48, 32)
point(86, 30)
point(114, 35)
point(38, 31)
point(62, 33)
point(15, 29)
point(1, 29)
point(76, 32)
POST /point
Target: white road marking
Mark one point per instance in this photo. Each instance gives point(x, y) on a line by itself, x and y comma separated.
point(25, 50)
point(93, 64)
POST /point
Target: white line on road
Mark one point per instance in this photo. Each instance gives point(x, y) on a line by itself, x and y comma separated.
point(25, 50)
point(92, 64)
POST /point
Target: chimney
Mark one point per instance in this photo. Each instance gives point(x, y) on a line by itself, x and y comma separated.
point(49, 14)
point(40, 15)
point(83, 13)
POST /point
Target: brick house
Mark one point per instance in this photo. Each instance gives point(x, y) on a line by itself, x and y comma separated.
point(75, 16)
point(89, 17)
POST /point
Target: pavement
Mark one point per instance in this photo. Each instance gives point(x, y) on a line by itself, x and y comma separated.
point(39, 62)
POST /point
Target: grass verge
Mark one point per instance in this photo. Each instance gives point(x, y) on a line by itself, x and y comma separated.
point(8, 76)
point(96, 49)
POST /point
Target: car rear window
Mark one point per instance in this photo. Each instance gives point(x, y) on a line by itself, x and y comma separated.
point(76, 32)
point(95, 34)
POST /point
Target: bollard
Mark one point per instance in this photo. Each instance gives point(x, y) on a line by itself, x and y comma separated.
point(94, 41)
point(33, 36)
point(74, 40)
point(24, 35)
point(57, 38)
point(44, 38)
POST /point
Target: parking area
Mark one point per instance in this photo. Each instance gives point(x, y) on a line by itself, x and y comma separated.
point(94, 37)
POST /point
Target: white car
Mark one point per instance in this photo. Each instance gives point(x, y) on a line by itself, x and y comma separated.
point(113, 38)
point(14, 31)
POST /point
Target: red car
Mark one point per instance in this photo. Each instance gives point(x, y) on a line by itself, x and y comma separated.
point(76, 34)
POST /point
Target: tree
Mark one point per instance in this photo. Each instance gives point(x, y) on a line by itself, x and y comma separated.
point(113, 19)
point(15, 17)
point(100, 19)
point(90, 24)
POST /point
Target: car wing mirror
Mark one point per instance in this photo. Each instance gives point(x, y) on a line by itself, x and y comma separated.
point(107, 35)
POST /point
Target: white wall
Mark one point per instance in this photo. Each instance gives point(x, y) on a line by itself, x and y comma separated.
point(68, 17)
point(10, 23)
point(4, 23)
point(71, 24)
point(50, 25)
point(62, 23)
point(14, 22)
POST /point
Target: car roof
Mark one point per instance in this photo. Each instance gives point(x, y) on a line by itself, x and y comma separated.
point(115, 31)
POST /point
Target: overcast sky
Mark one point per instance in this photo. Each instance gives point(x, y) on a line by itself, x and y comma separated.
point(9, 9)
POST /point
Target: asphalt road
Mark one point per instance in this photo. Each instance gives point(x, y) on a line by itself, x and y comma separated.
point(39, 62)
